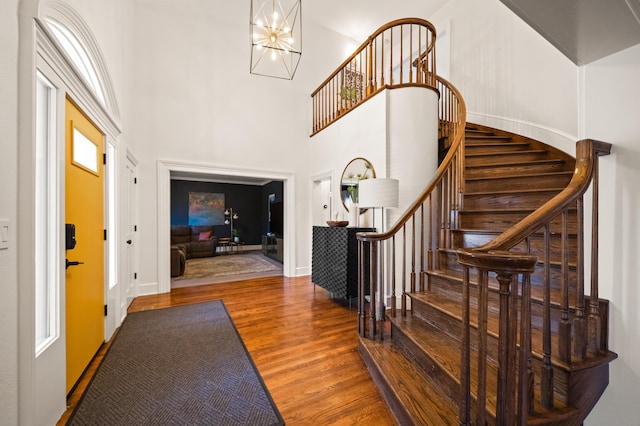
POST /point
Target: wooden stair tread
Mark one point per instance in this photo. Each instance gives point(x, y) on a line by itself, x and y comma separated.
point(505, 210)
point(484, 135)
point(496, 232)
point(491, 154)
point(549, 192)
point(412, 388)
point(516, 175)
point(494, 141)
point(478, 139)
point(515, 163)
point(514, 191)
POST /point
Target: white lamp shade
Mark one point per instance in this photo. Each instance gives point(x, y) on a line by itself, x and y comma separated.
point(379, 192)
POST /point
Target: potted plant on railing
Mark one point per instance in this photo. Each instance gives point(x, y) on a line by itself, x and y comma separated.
point(348, 96)
point(236, 235)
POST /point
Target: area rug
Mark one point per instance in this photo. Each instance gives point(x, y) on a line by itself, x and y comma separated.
point(184, 365)
point(227, 264)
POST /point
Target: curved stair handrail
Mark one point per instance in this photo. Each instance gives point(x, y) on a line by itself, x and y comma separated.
point(587, 151)
point(452, 115)
point(398, 54)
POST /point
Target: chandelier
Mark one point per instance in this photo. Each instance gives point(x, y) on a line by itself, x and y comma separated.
point(276, 37)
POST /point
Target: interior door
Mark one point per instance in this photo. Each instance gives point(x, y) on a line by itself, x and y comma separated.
point(84, 203)
point(321, 199)
point(130, 227)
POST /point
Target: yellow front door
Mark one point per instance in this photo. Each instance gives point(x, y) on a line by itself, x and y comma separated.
point(84, 189)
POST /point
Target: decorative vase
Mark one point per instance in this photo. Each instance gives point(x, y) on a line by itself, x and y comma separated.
point(354, 217)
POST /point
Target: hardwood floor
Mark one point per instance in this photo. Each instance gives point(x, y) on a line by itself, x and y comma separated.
point(303, 343)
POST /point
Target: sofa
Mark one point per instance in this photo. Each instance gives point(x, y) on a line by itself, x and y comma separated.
point(190, 242)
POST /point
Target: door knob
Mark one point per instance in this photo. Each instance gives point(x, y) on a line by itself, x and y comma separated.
point(128, 241)
point(72, 263)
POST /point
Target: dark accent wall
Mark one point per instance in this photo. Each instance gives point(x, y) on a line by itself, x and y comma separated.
point(248, 201)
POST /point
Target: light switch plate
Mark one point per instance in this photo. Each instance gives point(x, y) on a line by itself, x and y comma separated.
point(4, 234)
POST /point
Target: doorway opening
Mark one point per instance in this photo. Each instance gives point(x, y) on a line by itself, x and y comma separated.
point(168, 170)
point(214, 219)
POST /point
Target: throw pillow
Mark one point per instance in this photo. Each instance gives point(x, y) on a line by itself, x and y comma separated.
point(204, 236)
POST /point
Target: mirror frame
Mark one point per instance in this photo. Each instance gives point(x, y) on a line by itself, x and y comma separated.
point(349, 172)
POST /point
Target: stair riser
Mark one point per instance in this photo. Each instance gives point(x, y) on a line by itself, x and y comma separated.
point(489, 148)
point(469, 239)
point(521, 200)
point(532, 168)
point(501, 221)
point(449, 262)
point(483, 139)
point(495, 158)
point(525, 182)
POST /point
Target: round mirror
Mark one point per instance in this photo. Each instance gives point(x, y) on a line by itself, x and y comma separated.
point(358, 169)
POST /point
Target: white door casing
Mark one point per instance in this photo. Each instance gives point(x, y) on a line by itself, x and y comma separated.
point(322, 199)
point(130, 227)
point(41, 390)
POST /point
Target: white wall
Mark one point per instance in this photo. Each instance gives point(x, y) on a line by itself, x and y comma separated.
point(360, 133)
point(8, 210)
point(412, 143)
point(612, 90)
point(197, 103)
point(393, 131)
point(509, 76)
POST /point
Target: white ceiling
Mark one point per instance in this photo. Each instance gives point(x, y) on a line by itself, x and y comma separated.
point(358, 19)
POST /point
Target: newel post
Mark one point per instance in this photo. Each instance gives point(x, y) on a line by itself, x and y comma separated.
point(508, 267)
point(506, 347)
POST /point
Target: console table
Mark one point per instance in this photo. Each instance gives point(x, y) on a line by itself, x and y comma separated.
point(334, 260)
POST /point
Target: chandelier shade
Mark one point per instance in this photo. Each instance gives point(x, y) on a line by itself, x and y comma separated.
point(276, 37)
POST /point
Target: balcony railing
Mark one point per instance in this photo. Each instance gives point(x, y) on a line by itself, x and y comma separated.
point(400, 53)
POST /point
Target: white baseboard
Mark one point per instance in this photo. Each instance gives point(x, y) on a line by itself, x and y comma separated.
point(301, 272)
point(147, 289)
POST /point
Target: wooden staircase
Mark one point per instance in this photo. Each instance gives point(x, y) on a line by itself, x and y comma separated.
point(419, 369)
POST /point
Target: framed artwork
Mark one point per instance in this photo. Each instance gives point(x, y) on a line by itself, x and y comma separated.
point(206, 208)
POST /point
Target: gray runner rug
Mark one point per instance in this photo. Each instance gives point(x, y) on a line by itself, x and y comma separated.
point(185, 365)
